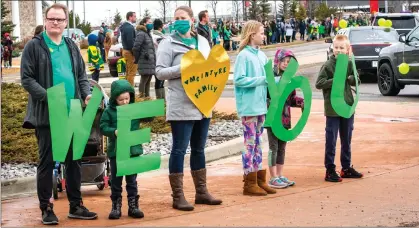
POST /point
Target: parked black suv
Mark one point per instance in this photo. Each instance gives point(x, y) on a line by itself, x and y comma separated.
point(390, 80)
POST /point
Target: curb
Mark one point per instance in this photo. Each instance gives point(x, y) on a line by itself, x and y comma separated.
point(26, 186)
point(17, 187)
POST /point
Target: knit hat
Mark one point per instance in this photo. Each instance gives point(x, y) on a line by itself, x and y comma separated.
point(281, 54)
point(92, 39)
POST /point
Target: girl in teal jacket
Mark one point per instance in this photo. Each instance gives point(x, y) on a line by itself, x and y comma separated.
point(251, 92)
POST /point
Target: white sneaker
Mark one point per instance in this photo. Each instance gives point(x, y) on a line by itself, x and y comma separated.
point(277, 183)
point(285, 180)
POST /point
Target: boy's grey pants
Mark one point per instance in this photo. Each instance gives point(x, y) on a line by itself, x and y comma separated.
point(276, 149)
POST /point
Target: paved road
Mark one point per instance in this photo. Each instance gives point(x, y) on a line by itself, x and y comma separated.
point(368, 90)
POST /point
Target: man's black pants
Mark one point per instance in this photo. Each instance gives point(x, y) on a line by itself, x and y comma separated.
point(46, 167)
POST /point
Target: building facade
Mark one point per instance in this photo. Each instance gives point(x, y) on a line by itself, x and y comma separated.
point(26, 15)
point(359, 5)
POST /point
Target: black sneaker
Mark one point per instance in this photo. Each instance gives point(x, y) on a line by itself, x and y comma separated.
point(350, 173)
point(332, 176)
point(78, 211)
point(48, 216)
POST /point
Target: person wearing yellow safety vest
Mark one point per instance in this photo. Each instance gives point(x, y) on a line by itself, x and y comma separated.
point(94, 58)
point(121, 67)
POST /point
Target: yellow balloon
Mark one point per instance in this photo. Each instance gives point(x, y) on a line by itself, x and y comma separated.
point(404, 68)
point(388, 23)
point(343, 23)
point(382, 22)
point(337, 29)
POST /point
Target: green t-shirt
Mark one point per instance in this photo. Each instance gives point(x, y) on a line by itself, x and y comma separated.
point(62, 69)
point(190, 41)
point(227, 34)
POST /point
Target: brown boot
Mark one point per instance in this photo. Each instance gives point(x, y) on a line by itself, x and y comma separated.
point(202, 195)
point(261, 177)
point(179, 201)
point(251, 187)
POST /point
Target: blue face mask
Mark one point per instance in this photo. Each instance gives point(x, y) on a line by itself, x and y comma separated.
point(182, 26)
point(149, 26)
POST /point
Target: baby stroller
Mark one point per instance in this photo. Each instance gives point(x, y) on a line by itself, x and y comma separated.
point(95, 163)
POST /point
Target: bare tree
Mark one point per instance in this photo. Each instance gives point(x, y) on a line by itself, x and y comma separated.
point(165, 5)
point(254, 10)
point(213, 6)
point(286, 8)
point(237, 5)
point(312, 5)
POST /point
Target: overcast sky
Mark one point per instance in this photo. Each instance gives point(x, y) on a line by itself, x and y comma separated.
point(98, 11)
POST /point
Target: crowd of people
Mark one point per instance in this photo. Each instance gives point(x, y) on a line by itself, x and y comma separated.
point(284, 30)
point(146, 48)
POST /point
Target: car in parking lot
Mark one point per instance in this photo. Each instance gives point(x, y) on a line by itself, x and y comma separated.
point(366, 43)
point(402, 22)
point(69, 33)
point(390, 80)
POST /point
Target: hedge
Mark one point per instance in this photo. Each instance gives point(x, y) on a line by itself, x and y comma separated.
point(19, 145)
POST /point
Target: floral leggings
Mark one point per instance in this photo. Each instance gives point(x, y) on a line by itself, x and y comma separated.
point(252, 156)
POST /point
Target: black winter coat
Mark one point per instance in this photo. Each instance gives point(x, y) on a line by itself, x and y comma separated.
point(144, 52)
point(36, 77)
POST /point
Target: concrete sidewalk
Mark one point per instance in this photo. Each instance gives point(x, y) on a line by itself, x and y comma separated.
point(384, 147)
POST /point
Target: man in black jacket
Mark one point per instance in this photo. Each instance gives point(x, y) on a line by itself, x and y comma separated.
point(101, 43)
point(203, 27)
point(50, 59)
point(128, 34)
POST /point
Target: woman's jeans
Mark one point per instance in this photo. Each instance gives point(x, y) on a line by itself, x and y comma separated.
point(184, 132)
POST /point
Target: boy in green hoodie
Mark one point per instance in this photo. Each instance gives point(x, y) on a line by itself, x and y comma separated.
point(122, 93)
point(336, 124)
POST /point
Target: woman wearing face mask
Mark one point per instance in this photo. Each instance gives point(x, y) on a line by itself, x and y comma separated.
point(145, 55)
point(187, 122)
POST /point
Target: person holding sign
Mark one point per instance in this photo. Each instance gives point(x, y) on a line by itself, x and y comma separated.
point(188, 124)
point(61, 63)
point(251, 92)
point(334, 123)
point(277, 146)
point(122, 93)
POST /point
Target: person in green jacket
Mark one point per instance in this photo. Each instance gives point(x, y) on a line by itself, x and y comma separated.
point(122, 93)
point(336, 124)
point(322, 30)
point(215, 35)
point(121, 68)
point(94, 59)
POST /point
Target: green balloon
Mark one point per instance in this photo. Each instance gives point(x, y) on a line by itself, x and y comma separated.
point(127, 138)
point(66, 125)
point(279, 94)
point(338, 87)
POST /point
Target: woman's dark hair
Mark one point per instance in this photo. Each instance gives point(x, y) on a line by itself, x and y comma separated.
point(144, 20)
point(158, 24)
point(38, 30)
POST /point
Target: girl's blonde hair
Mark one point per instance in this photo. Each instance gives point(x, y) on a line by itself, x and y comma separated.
point(250, 28)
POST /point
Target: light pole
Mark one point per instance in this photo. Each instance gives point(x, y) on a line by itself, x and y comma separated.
point(190, 3)
point(74, 17)
point(110, 20)
point(84, 11)
point(68, 24)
